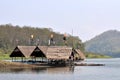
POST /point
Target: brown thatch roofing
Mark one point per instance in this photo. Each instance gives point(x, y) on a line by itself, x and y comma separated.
point(43, 49)
point(50, 52)
point(22, 51)
point(82, 56)
point(39, 51)
point(58, 52)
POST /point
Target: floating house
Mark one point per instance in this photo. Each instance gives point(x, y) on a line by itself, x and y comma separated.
point(78, 54)
point(22, 51)
point(52, 54)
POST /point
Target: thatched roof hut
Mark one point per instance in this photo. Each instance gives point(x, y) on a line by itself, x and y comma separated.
point(53, 52)
point(81, 55)
point(22, 51)
point(49, 52)
point(39, 51)
point(43, 49)
point(58, 52)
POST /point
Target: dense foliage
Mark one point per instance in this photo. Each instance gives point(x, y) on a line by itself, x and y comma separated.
point(108, 43)
point(11, 36)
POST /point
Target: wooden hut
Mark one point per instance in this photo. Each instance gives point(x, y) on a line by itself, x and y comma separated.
point(22, 51)
point(56, 54)
point(39, 52)
point(52, 54)
point(78, 55)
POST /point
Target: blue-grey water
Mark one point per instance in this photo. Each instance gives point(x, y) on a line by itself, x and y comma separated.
point(111, 71)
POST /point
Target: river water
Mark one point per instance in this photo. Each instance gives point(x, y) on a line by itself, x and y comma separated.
point(111, 71)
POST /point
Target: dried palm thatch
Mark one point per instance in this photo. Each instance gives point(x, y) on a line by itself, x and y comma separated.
point(22, 51)
point(58, 52)
point(50, 52)
point(43, 49)
point(81, 55)
point(39, 51)
point(54, 52)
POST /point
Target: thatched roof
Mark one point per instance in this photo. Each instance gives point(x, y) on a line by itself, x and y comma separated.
point(39, 51)
point(53, 52)
point(60, 52)
point(22, 51)
point(43, 49)
point(50, 52)
point(81, 55)
point(56, 52)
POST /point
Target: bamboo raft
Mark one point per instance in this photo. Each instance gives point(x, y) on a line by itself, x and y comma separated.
point(86, 64)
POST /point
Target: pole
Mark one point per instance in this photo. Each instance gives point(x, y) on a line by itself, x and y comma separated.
point(72, 39)
point(12, 59)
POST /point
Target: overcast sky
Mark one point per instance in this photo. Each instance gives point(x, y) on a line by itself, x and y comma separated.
point(87, 18)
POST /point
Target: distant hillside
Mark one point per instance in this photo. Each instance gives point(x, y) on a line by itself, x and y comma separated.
point(107, 43)
point(10, 36)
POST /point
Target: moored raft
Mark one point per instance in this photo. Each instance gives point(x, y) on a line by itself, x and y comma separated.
point(53, 55)
point(86, 64)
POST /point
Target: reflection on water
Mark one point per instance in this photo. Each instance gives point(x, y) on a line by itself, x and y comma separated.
point(111, 71)
point(38, 70)
point(61, 69)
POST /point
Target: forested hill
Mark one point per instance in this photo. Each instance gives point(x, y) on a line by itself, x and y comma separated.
point(10, 36)
point(107, 43)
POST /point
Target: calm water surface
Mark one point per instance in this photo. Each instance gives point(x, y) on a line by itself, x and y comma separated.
point(111, 71)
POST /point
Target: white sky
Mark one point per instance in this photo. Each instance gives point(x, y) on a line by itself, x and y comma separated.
point(87, 18)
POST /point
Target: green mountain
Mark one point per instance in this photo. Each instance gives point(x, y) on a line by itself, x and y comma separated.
point(107, 43)
point(11, 36)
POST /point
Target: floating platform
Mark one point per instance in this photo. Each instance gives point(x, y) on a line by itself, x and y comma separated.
point(86, 64)
point(74, 64)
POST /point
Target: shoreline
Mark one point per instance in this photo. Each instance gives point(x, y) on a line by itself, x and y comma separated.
point(17, 65)
point(38, 65)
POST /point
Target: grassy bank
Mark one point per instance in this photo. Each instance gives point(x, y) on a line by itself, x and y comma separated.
point(4, 57)
point(93, 55)
point(4, 54)
point(14, 64)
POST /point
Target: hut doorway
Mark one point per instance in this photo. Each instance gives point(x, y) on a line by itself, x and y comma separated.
point(38, 55)
point(22, 53)
point(17, 54)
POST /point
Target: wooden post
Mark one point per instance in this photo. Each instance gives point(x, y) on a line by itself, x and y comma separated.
point(22, 59)
point(42, 58)
point(47, 60)
point(32, 58)
point(25, 59)
point(35, 59)
point(15, 58)
point(12, 59)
